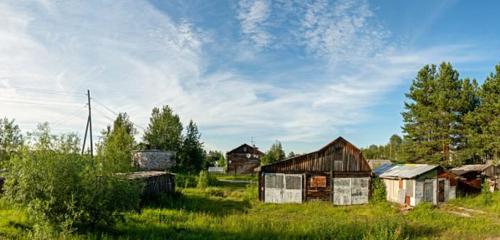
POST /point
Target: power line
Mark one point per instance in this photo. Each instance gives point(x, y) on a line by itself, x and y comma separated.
point(45, 91)
point(115, 113)
point(39, 102)
point(71, 115)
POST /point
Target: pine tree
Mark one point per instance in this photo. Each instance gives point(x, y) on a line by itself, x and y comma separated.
point(418, 122)
point(164, 131)
point(484, 134)
point(192, 154)
point(434, 114)
point(435, 118)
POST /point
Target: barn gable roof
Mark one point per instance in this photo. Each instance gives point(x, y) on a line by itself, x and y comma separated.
point(321, 160)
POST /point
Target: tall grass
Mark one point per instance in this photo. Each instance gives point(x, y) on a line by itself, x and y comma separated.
point(232, 211)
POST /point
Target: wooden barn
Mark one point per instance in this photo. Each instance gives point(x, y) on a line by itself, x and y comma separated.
point(243, 159)
point(471, 177)
point(338, 173)
point(410, 184)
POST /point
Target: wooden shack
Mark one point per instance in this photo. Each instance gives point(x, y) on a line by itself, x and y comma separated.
point(472, 176)
point(243, 159)
point(152, 166)
point(338, 173)
point(410, 184)
point(155, 182)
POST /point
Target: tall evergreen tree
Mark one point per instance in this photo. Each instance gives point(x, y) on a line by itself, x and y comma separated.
point(117, 144)
point(484, 122)
point(434, 115)
point(191, 156)
point(164, 131)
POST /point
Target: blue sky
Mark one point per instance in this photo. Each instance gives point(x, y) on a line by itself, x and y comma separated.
point(302, 72)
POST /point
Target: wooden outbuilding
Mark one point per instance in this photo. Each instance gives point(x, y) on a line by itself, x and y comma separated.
point(410, 184)
point(155, 182)
point(338, 173)
point(471, 177)
point(243, 159)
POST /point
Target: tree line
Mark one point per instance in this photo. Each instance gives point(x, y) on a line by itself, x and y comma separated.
point(447, 120)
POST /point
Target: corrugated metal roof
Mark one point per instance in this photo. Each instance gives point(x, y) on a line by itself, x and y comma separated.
point(470, 168)
point(403, 170)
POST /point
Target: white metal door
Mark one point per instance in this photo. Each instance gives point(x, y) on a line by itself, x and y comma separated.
point(292, 193)
point(283, 188)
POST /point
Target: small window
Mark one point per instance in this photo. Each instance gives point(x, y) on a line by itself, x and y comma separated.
point(273, 181)
point(293, 182)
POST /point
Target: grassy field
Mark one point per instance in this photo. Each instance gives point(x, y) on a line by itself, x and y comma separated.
point(231, 211)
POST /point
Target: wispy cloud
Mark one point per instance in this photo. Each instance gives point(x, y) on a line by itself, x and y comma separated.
point(134, 57)
point(342, 31)
point(253, 15)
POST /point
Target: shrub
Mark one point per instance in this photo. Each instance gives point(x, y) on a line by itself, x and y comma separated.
point(67, 190)
point(379, 193)
point(487, 196)
point(205, 180)
point(185, 181)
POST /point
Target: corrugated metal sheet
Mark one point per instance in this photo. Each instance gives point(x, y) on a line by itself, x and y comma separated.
point(470, 168)
point(403, 170)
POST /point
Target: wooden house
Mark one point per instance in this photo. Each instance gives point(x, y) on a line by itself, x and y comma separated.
point(410, 184)
point(471, 177)
point(243, 159)
point(338, 173)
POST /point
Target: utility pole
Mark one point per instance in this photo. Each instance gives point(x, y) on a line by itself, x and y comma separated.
point(88, 128)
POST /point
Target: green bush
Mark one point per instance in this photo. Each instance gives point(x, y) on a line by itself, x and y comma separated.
point(379, 192)
point(185, 181)
point(205, 180)
point(486, 195)
point(68, 191)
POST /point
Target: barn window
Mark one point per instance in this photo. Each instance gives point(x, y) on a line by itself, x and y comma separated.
point(293, 182)
point(274, 181)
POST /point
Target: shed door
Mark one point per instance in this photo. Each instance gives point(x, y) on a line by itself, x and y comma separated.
point(441, 191)
point(428, 192)
point(283, 188)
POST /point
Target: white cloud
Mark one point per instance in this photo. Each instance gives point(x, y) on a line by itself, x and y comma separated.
point(253, 15)
point(343, 31)
point(134, 57)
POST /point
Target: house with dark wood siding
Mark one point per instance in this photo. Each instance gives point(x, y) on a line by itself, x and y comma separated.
point(338, 173)
point(243, 159)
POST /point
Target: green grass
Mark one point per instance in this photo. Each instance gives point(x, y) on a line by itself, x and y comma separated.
point(231, 211)
point(237, 177)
